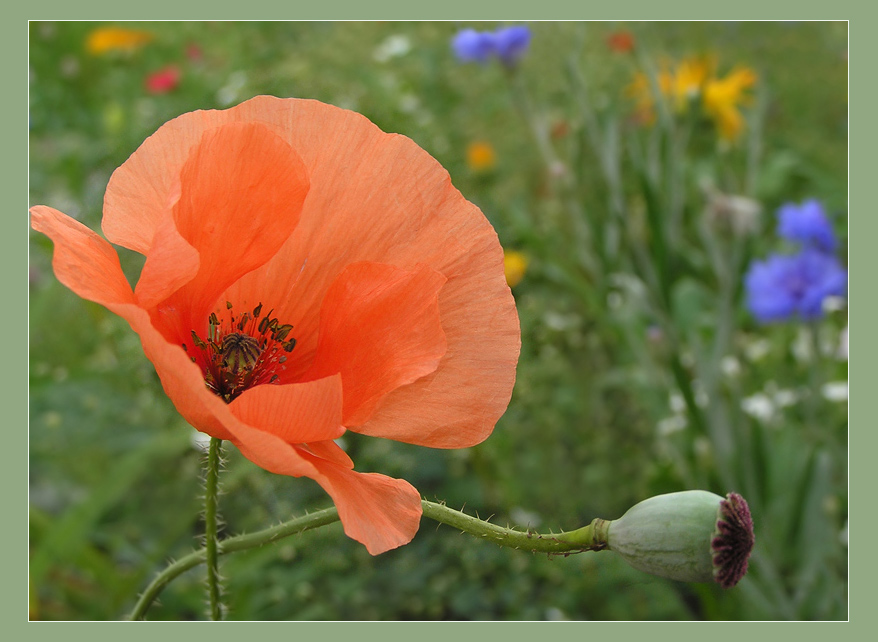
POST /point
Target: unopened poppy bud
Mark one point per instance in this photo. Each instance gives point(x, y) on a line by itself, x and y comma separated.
point(691, 536)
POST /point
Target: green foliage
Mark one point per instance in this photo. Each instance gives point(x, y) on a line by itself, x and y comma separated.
point(641, 371)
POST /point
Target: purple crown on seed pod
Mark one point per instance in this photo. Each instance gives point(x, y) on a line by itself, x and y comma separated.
point(733, 540)
point(689, 536)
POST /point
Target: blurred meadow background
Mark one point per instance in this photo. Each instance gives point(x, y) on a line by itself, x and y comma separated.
point(633, 172)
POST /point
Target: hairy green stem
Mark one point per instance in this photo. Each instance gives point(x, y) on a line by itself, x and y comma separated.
point(230, 545)
point(210, 527)
point(588, 538)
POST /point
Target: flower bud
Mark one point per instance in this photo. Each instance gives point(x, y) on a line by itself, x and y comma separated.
point(691, 536)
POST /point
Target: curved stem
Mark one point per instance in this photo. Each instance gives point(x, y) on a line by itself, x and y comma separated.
point(230, 545)
point(210, 527)
point(588, 538)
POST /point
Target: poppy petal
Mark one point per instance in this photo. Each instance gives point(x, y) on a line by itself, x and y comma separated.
point(182, 380)
point(295, 412)
point(416, 216)
point(381, 512)
point(82, 260)
point(380, 328)
point(458, 405)
point(184, 384)
point(384, 260)
point(378, 511)
point(330, 450)
point(170, 264)
point(89, 266)
point(142, 190)
point(241, 193)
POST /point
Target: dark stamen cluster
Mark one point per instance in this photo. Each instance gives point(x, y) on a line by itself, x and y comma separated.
point(242, 352)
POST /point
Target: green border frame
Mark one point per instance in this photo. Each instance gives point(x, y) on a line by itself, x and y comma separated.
point(862, 53)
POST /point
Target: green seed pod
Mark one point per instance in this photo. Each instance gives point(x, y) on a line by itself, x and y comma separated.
point(691, 536)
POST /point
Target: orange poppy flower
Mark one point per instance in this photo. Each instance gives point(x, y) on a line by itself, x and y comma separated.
point(306, 274)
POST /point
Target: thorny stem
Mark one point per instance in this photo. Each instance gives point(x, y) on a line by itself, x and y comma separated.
point(588, 538)
point(582, 539)
point(230, 545)
point(210, 527)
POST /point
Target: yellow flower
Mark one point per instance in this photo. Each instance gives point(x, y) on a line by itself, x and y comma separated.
point(640, 90)
point(106, 39)
point(515, 265)
point(679, 84)
point(688, 80)
point(691, 79)
point(722, 97)
point(480, 156)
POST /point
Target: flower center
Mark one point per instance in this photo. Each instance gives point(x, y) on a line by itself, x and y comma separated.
point(241, 352)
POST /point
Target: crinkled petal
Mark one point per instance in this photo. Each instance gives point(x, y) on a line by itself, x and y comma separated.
point(182, 380)
point(295, 412)
point(145, 187)
point(241, 192)
point(415, 217)
point(374, 197)
point(330, 450)
point(82, 260)
point(457, 405)
point(89, 266)
point(380, 328)
point(170, 264)
point(380, 512)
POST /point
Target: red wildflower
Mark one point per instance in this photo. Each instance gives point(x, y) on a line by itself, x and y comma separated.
point(621, 42)
point(559, 129)
point(193, 51)
point(163, 80)
point(305, 274)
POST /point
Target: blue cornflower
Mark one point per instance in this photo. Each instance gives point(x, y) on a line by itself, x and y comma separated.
point(511, 43)
point(507, 43)
point(806, 223)
point(786, 286)
point(474, 46)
